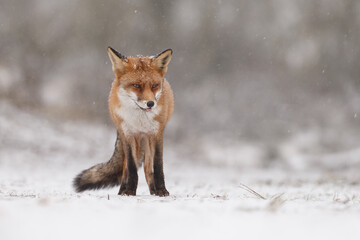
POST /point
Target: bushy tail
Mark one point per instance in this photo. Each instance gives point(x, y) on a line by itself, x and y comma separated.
point(101, 175)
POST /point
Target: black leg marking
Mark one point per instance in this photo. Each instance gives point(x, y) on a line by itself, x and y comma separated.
point(129, 188)
point(152, 189)
point(159, 172)
point(123, 181)
point(122, 188)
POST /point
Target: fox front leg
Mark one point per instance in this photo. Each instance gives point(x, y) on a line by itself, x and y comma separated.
point(130, 176)
point(123, 181)
point(159, 179)
point(149, 152)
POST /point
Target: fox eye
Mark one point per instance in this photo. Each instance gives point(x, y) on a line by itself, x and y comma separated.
point(136, 85)
point(155, 85)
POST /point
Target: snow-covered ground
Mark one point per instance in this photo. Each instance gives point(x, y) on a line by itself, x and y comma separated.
point(39, 158)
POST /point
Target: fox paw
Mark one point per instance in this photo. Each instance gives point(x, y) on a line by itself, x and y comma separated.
point(152, 189)
point(162, 192)
point(128, 192)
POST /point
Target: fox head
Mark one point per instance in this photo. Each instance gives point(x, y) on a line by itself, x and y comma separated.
point(139, 80)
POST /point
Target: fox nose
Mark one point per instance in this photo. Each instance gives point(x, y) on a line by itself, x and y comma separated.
point(150, 104)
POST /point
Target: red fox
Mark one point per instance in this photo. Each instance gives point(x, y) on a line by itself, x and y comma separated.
point(141, 102)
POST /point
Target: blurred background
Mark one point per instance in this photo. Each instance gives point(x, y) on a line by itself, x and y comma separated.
point(257, 83)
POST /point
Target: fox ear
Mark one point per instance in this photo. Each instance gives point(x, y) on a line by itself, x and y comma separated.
point(161, 61)
point(118, 61)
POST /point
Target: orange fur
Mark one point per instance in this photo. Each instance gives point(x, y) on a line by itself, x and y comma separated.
point(140, 104)
point(144, 73)
point(148, 73)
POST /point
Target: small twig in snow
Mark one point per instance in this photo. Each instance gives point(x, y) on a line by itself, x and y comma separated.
point(243, 186)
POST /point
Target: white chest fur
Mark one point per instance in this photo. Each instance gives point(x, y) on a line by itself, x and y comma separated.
point(136, 120)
